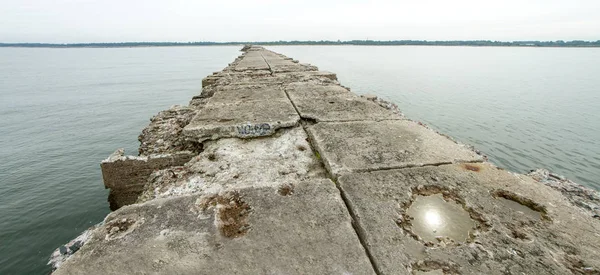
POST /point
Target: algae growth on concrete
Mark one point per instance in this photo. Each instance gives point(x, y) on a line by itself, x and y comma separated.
point(275, 168)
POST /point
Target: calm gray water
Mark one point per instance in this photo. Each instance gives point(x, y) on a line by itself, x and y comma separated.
point(61, 112)
point(525, 108)
point(64, 110)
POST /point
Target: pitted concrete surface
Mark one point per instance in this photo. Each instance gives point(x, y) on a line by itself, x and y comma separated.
point(267, 77)
point(253, 191)
point(233, 163)
point(306, 230)
point(504, 241)
point(368, 145)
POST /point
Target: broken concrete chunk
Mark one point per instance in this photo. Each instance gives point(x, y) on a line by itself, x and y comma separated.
point(579, 195)
point(163, 134)
point(369, 145)
point(64, 252)
point(127, 175)
point(249, 231)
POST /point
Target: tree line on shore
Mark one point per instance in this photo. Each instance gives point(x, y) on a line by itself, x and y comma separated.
point(558, 43)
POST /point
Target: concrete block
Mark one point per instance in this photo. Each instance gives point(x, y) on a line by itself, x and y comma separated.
point(210, 80)
point(127, 175)
point(322, 76)
point(286, 67)
point(350, 108)
point(334, 103)
point(302, 228)
point(503, 237)
point(280, 64)
point(266, 78)
point(241, 119)
point(315, 90)
point(369, 145)
point(252, 62)
point(260, 92)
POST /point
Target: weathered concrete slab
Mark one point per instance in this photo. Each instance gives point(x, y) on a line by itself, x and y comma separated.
point(265, 77)
point(256, 63)
point(273, 56)
point(232, 77)
point(228, 163)
point(252, 61)
point(256, 92)
point(368, 145)
point(127, 175)
point(250, 231)
point(241, 119)
point(316, 90)
point(334, 103)
point(562, 239)
point(280, 64)
point(350, 108)
point(287, 66)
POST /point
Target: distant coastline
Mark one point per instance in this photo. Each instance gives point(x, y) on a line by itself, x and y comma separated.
point(476, 43)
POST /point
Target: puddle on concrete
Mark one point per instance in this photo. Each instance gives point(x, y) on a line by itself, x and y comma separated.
point(434, 217)
point(519, 208)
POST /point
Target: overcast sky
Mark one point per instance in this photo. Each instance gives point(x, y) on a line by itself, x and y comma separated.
point(66, 21)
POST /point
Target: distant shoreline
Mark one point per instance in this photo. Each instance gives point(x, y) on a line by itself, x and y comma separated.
point(474, 43)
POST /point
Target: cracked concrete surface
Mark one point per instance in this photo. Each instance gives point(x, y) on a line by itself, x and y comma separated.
point(309, 232)
point(274, 168)
point(374, 145)
point(505, 242)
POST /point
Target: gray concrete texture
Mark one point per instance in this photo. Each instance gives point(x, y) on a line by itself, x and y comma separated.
point(127, 175)
point(252, 61)
point(373, 145)
point(267, 77)
point(334, 103)
point(229, 163)
point(244, 93)
point(304, 230)
point(505, 239)
point(241, 119)
point(241, 181)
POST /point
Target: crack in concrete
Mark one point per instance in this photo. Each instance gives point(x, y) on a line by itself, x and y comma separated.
point(400, 167)
point(360, 232)
point(269, 65)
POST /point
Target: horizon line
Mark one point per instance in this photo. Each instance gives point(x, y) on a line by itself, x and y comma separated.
point(532, 43)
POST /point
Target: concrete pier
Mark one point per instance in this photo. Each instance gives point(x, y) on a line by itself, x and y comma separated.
point(275, 168)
